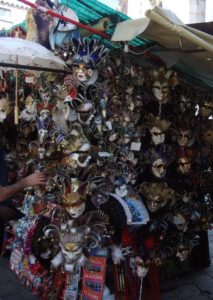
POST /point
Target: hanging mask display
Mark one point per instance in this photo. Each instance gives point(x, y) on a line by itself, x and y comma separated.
point(119, 147)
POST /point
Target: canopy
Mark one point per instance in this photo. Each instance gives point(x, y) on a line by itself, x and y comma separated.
point(19, 53)
point(181, 47)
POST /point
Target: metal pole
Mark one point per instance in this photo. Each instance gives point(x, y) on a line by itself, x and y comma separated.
point(54, 14)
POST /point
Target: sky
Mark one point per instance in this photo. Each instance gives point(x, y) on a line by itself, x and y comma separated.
point(111, 3)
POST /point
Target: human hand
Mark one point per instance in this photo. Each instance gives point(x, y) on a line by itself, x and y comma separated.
point(37, 178)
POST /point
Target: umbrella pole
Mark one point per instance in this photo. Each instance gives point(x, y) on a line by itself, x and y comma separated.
point(16, 98)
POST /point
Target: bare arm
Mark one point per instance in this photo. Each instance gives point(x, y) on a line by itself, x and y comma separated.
point(34, 179)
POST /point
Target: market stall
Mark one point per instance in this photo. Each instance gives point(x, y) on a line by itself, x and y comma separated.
point(126, 145)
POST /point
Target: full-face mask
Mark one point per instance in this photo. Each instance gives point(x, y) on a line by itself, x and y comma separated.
point(185, 138)
point(30, 111)
point(87, 55)
point(180, 222)
point(184, 165)
point(157, 128)
point(185, 104)
point(157, 195)
point(159, 168)
point(139, 267)
point(158, 159)
point(182, 252)
point(206, 108)
point(162, 81)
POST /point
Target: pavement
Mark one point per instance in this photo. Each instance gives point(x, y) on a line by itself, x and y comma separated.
point(193, 286)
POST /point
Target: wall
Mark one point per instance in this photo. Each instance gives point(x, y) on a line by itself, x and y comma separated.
point(11, 13)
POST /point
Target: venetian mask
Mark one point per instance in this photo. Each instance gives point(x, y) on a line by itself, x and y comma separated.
point(86, 75)
point(157, 135)
point(185, 138)
point(207, 136)
point(157, 195)
point(4, 109)
point(161, 91)
point(74, 204)
point(184, 165)
point(180, 222)
point(157, 128)
point(185, 104)
point(44, 115)
point(159, 168)
point(139, 266)
point(206, 108)
point(162, 81)
point(30, 105)
point(182, 252)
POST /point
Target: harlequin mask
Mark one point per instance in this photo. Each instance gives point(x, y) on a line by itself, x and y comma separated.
point(4, 109)
point(84, 74)
point(87, 55)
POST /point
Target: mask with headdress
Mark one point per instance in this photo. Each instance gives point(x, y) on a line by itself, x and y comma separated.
point(158, 159)
point(87, 56)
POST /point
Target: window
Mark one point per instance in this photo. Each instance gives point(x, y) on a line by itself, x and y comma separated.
point(5, 13)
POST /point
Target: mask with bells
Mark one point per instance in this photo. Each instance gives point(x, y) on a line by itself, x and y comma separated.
point(162, 81)
point(87, 55)
point(157, 195)
point(4, 109)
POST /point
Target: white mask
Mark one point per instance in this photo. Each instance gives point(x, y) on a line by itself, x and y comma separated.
point(157, 135)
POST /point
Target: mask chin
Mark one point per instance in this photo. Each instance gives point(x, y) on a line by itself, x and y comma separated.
point(76, 211)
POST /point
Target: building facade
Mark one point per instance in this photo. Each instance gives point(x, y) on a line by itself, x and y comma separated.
point(189, 11)
point(12, 12)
